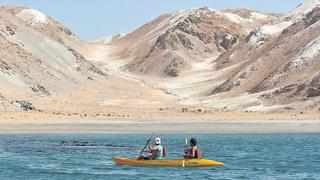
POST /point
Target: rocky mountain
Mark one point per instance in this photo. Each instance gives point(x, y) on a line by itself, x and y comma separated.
point(230, 59)
point(279, 61)
point(45, 67)
point(178, 41)
point(38, 55)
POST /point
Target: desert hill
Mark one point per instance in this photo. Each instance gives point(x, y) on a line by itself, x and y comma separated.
point(235, 59)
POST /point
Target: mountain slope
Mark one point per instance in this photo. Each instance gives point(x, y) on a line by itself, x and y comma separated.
point(44, 66)
point(30, 56)
point(281, 66)
point(230, 59)
point(174, 42)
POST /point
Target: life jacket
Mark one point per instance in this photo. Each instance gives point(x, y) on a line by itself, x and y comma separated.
point(198, 154)
point(157, 155)
point(164, 152)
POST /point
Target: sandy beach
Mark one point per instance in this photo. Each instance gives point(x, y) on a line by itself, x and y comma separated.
point(176, 123)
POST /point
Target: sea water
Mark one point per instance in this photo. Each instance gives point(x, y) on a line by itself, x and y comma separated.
point(255, 156)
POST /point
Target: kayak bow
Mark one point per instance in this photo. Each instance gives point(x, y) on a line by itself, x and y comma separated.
point(178, 163)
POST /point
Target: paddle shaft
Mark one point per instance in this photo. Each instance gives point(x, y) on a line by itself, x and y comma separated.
point(146, 144)
point(185, 146)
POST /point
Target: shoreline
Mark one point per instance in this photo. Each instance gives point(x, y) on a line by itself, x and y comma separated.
point(164, 127)
point(148, 122)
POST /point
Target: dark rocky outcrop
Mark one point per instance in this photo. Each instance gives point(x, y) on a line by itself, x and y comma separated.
point(313, 89)
point(40, 89)
point(83, 62)
point(26, 106)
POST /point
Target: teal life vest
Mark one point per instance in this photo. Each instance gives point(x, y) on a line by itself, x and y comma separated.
point(159, 154)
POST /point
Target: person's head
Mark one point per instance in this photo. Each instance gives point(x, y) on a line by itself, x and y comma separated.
point(157, 141)
point(193, 142)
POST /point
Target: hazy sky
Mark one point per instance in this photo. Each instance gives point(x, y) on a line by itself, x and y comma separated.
point(90, 19)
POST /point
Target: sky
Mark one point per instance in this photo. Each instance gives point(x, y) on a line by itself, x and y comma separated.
point(91, 19)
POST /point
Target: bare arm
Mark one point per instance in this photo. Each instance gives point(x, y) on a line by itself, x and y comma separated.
point(153, 148)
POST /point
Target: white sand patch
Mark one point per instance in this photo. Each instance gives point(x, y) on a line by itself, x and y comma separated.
point(179, 16)
point(100, 54)
point(275, 28)
point(189, 88)
point(232, 102)
point(237, 19)
point(256, 15)
point(111, 102)
point(126, 102)
point(296, 15)
point(109, 39)
point(160, 26)
point(103, 54)
point(105, 39)
point(309, 53)
point(8, 80)
point(304, 9)
point(182, 14)
point(258, 38)
point(49, 51)
point(262, 108)
point(299, 13)
point(204, 65)
point(32, 17)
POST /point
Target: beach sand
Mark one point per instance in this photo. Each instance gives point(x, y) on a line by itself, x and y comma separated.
point(175, 123)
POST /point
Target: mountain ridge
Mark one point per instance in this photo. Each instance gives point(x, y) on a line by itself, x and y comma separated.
point(235, 59)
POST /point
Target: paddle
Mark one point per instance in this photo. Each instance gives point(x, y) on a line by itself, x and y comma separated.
point(146, 145)
point(185, 146)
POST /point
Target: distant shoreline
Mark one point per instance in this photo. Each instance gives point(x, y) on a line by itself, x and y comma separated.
point(166, 123)
point(163, 127)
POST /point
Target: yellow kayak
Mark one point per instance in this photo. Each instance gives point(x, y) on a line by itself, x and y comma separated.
point(177, 163)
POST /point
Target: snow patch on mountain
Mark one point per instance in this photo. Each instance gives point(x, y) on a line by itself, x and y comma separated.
point(32, 17)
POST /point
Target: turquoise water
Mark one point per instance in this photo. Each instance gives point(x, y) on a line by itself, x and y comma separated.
point(246, 157)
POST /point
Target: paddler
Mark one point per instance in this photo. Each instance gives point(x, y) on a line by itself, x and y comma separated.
point(193, 152)
point(158, 151)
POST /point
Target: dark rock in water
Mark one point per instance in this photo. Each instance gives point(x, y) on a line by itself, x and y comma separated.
point(87, 144)
point(76, 142)
point(114, 145)
point(79, 143)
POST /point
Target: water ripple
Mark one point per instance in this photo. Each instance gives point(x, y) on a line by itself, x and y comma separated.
point(246, 157)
